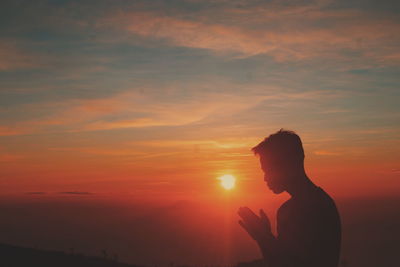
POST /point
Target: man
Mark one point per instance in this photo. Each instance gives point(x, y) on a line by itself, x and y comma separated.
point(308, 224)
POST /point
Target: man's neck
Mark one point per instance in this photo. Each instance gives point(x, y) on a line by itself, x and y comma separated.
point(301, 186)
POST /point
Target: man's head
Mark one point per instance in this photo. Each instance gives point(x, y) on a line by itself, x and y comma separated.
point(282, 159)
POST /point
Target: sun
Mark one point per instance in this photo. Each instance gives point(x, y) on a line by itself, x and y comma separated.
point(227, 181)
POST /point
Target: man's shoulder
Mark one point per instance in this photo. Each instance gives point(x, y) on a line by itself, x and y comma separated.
point(322, 198)
point(320, 207)
point(316, 200)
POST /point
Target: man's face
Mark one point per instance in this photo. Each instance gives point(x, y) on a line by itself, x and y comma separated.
point(273, 175)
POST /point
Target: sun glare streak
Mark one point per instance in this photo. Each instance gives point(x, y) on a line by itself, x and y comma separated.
point(227, 181)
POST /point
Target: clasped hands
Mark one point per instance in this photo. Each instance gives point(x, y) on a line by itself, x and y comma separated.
point(258, 227)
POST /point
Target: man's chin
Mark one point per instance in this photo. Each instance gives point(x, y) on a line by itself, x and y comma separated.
point(276, 190)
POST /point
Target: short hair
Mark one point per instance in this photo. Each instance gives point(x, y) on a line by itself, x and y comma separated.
point(283, 146)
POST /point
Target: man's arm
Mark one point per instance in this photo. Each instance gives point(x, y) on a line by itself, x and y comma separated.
point(259, 228)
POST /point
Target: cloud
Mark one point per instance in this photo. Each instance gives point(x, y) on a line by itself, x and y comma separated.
point(10, 157)
point(12, 57)
point(178, 104)
point(223, 143)
point(126, 151)
point(36, 193)
point(75, 193)
point(171, 107)
point(285, 32)
point(10, 130)
point(326, 153)
point(395, 171)
point(131, 109)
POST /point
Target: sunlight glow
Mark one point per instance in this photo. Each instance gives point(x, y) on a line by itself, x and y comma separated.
point(227, 181)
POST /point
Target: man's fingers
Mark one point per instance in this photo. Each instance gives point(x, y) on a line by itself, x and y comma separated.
point(263, 215)
point(247, 213)
point(265, 218)
point(242, 213)
point(246, 228)
point(243, 225)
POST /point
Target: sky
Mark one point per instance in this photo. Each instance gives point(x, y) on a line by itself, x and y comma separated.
point(149, 102)
point(164, 96)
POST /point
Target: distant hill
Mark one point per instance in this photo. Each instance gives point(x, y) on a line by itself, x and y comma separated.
point(13, 256)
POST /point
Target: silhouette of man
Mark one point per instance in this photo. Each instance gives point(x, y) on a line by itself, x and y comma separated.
point(308, 224)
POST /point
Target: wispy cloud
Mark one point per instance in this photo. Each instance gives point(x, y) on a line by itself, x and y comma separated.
point(36, 193)
point(7, 157)
point(11, 130)
point(12, 57)
point(224, 143)
point(75, 193)
point(132, 109)
point(285, 32)
point(326, 153)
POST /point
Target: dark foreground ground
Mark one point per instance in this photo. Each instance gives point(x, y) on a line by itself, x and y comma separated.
point(12, 256)
point(173, 234)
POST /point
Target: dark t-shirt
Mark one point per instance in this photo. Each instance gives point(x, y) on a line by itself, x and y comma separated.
point(309, 230)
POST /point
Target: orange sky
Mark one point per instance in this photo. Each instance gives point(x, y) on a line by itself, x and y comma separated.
point(162, 98)
point(186, 167)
